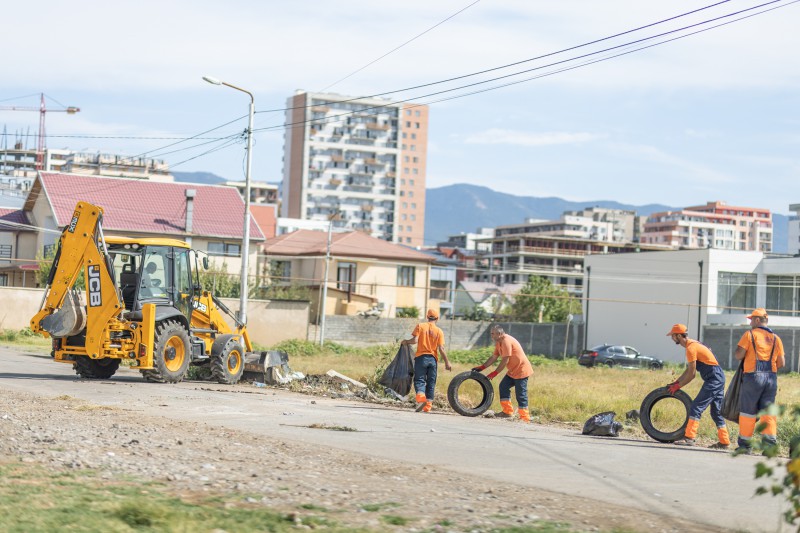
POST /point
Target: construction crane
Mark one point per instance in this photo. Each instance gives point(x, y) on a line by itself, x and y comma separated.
point(42, 109)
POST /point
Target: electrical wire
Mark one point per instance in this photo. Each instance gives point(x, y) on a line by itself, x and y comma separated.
point(589, 43)
point(339, 117)
point(399, 47)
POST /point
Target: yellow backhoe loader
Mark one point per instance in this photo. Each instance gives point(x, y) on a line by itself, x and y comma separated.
point(143, 303)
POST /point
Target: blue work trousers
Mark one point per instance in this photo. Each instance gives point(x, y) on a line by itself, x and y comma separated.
point(711, 393)
point(759, 389)
point(520, 390)
point(425, 375)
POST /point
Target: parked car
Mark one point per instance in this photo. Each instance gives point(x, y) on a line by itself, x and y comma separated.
point(616, 355)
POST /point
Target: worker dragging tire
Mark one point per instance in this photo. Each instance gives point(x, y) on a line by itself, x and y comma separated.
point(519, 370)
point(700, 359)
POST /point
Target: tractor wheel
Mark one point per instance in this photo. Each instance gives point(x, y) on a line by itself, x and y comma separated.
point(89, 368)
point(227, 366)
point(473, 409)
point(646, 412)
point(171, 354)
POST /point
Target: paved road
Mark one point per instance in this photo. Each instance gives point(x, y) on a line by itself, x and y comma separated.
point(697, 484)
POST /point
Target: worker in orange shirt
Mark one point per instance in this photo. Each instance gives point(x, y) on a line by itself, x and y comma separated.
point(762, 353)
point(519, 370)
point(700, 358)
point(429, 339)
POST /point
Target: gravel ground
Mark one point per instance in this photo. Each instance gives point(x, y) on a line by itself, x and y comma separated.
point(203, 459)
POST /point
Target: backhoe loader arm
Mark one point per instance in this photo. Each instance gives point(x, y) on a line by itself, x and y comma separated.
point(81, 246)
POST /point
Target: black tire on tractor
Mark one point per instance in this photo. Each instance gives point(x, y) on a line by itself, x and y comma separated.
point(227, 365)
point(485, 403)
point(89, 368)
point(650, 401)
point(171, 353)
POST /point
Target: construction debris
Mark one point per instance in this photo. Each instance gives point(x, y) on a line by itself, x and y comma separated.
point(336, 375)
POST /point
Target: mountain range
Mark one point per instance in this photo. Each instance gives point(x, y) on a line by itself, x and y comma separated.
point(463, 208)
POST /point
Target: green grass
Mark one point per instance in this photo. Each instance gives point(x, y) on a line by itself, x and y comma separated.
point(38, 500)
point(560, 391)
point(24, 337)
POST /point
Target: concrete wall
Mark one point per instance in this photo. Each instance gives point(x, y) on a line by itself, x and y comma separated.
point(269, 321)
point(546, 339)
point(722, 340)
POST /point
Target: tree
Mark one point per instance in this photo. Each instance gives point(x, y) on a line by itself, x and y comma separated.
point(540, 295)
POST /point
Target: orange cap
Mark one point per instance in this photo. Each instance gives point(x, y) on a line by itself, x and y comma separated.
point(432, 314)
point(761, 312)
point(677, 329)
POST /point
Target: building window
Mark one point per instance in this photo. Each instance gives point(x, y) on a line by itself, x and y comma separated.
point(736, 292)
point(411, 182)
point(413, 135)
point(5, 251)
point(405, 170)
point(413, 217)
point(405, 135)
point(411, 193)
point(416, 159)
point(440, 290)
point(224, 248)
point(346, 277)
point(782, 293)
point(281, 271)
point(413, 205)
point(405, 205)
point(416, 113)
point(406, 157)
point(403, 216)
point(408, 228)
point(416, 125)
point(413, 147)
point(408, 124)
point(405, 274)
point(402, 182)
point(3, 280)
point(408, 112)
point(415, 171)
point(408, 239)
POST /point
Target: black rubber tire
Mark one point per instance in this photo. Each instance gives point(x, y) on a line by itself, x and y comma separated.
point(647, 406)
point(609, 364)
point(171, 353)
point(89, 368)
point(656, 366)
point(455, 384)
point(228, 365)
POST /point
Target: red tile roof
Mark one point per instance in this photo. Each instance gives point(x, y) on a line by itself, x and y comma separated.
point(265, 215)
point(147, 206)
point(14, 216)
point(351, 244)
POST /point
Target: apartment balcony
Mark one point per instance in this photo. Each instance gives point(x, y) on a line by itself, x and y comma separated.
point(536, 250)
point(320, 109)
point(379, 127)
point(335, 182)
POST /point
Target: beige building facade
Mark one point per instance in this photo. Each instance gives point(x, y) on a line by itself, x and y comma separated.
point(361, 161)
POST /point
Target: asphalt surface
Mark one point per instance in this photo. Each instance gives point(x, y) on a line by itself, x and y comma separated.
point(709, 487)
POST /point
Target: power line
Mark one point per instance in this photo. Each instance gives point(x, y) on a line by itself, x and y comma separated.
point(589, 43)
point(399, 47)
point(338, 118)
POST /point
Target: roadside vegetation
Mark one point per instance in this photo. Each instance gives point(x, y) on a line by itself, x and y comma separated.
point(560, 391)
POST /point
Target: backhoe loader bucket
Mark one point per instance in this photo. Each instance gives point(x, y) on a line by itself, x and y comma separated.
point(68, 320)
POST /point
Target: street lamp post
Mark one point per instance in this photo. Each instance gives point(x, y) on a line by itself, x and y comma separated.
point(246, 230)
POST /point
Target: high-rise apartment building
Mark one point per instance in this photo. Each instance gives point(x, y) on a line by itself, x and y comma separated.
point(361, 161)
point(713, 225)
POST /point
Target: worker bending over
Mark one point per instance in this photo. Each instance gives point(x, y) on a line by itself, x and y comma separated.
point(700, 358)
point(519, 370)
point(429, 339)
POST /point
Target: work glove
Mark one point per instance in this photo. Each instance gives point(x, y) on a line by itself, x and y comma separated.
point(673, 387)
point(478, 368)
point(492, 374)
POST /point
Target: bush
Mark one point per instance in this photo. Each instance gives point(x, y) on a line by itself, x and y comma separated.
point(407, 312)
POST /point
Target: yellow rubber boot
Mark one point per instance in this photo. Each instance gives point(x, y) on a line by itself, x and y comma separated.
point(427, 407)
point(524, 415)
point(690, 435)
point(508, 409)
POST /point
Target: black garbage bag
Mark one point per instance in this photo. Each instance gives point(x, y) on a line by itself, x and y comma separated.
point(400, 372)
point(602, 425)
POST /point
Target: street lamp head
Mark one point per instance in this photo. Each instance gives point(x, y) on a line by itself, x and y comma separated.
point(211, 80)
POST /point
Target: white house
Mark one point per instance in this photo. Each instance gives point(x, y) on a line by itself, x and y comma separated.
point(633, 299)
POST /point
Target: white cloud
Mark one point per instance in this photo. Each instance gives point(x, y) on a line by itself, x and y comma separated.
point(522, 138)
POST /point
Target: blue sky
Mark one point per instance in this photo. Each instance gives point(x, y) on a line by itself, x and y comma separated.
point(715, 116)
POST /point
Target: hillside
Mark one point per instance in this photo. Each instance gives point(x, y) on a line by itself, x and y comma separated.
point(205, 178)
point(460, 208)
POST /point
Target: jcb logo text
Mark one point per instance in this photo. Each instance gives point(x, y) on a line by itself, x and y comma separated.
point(95, 297)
